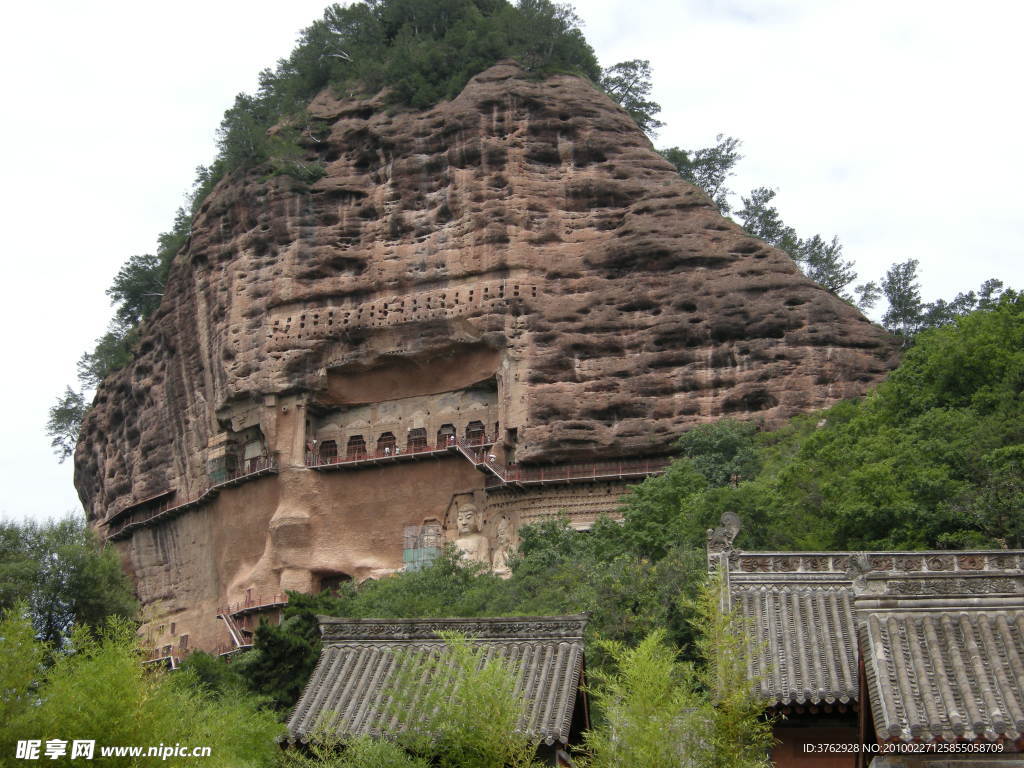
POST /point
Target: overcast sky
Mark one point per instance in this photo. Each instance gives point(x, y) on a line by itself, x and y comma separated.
point(890, 124)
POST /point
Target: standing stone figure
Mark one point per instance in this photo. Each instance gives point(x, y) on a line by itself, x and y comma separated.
point(502, 547)
point(471, 544)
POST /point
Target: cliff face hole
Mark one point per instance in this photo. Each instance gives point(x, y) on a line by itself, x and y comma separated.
point(475, 432)
point(446, 434)
point(332, 581)
point(416, 440)
point(755, 400)
point(356, 448)
point(328, 451)
point(386, 444)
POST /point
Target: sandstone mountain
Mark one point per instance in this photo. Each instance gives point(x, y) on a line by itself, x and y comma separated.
point(516, 267)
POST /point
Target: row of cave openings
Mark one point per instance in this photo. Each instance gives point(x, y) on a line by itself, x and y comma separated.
point(475, 433)
point(379, 311)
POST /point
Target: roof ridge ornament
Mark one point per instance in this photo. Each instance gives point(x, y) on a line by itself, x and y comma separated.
point(720, 540)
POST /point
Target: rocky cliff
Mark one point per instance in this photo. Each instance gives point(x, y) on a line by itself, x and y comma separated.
point(518, 258)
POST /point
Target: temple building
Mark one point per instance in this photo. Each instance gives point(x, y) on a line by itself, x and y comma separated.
point(884, 659)
point(351, 690)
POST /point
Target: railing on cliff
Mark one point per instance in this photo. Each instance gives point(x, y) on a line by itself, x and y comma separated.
point(128, 520)
point(240, 636)
point(163, 657)
point(476, 451)
point(624, 469)
point(396, 454)
point(254, 605)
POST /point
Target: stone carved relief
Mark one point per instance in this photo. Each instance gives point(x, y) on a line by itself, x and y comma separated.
point(502, 547)
point(464, 517)
point(483, 538)
point(940, 563)
point(470, 542)
point(940, 587)
point(971, 563)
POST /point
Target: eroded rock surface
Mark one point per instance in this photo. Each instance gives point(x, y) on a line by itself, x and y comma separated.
point(518, 260)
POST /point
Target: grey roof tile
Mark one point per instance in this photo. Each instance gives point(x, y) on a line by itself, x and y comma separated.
point(349, 689)
point(944, 656)
point(803, 642)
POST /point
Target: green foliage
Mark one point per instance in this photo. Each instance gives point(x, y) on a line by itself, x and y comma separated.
point(420, 51)
point(867, 294)
point(21, 661)
point(708, 168)
point(761, 219)
point(629, 85)
point(113, 351)
point(64, 576)
point(214, 675)
point(907, 314)
point(903, 293)
point(723, 451)
point(102, 692)
point(822, 261)
point(659, 711)
point(652, 510)
point(736, 734)
point(283, 656)
point(468, 716)
point(137, 288)
point(647, 704)
point(326, 750)
point(819, 259)
point(65, 422)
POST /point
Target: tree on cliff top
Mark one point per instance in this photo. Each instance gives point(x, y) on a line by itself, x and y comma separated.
point(419, 51)
point(65, 422)
point(629, 84)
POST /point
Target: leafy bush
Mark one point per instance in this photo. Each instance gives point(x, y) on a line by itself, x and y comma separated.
point(468, 716)
point(657, 710)
point(102, 692)
point(63, 575)
point(328, 751)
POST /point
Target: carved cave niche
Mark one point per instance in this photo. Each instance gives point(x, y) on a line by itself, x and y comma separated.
point(356, 448)
point(242, 452)
point(475, 432)
point(328, 451)
point(446, 434)
point(330, 581)
point(386, 444)
point(416, 440)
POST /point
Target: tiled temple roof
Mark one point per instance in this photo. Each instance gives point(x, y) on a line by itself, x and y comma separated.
point(349, 690)
point(804, 648)
point(944, 654)
point(804, 614)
